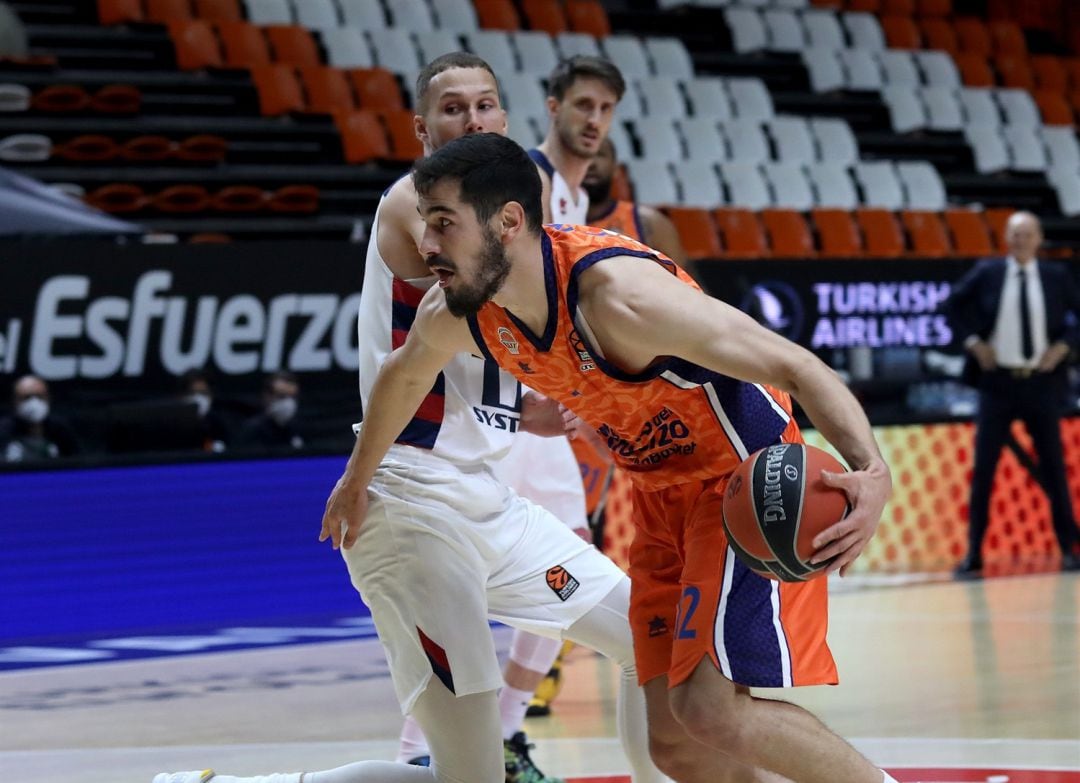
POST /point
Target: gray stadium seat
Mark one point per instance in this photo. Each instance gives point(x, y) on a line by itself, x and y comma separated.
point(657, 137)
point(938, 69)
point(536, 51)
point(746, 140)
point(991, 152)
point(268, 11)
point(790, 187)
point(836, 142)
point(1062, 147)
point(864, 30)
point(791, 139)
point(704, 141)
point(898, 67)
point(1026, 150)
point(455, 15)
point(825, 69)
point(708, 97)
point(316, 14)
point(628, 53)
point(433, 43)
point(669, 57)
point(363, 14)
point(699, 185)
point(923, 185)
point(879, 183)
point(1018, 107)
point(522, 92)
point(653, 182)
point(747, 29)
point(832, 185)
point(906, 110)
point(823, 29)
point(746, 187)
point(979, 106)
point(750, 98)
point(943, 110)
point(346, 47)
point(570, 44)
point(861, 69)
point(783, 30)
point(412, 15)
point(494, 47)
point(662, 97)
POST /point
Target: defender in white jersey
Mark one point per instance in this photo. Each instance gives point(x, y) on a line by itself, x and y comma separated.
point(445, 544)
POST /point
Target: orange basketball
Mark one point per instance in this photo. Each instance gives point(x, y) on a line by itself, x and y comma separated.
point(774, 505)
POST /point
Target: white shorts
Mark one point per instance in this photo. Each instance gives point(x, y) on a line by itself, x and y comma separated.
point(445, 548)
point(545, 471)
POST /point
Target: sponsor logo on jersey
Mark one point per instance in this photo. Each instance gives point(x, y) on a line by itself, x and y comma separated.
point(506, 337)
point(561, 582)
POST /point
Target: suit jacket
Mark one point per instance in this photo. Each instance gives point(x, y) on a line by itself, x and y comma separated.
point(972, 306)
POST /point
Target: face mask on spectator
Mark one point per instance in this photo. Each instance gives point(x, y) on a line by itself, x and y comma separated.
point(282, 410)
point(33, 409)
point(202, 403)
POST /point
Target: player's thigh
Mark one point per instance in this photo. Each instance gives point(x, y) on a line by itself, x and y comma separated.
point(463, 734)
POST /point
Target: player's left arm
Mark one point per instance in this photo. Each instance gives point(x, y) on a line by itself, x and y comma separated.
point(651, 314)
point(661, 234)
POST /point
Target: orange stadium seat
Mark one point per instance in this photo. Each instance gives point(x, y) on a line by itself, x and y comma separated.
point(934, 7)
point(400, 128)
point(1015, 71)
point(279, 89)
point(588, 16)
point(973, 35)
point(292, 44)
point(117, 99)
point(868, 6)
point(1074, 100)
point(243, 45)
point(1054, 108)
point(61, 98)
point(497, 15)
point(219, 10)
point(939, 34)
point(742, 233)
point(118, 197)
point(363, 138)
point(327, 89)
point(927, 232)
point(898, 7)
point(546, 15)
point(89, 148)
point(202, 148)
point(1007, 37)
point(620, 184)
point(837, 232)
point(185, 199)
point(697, 231)
point(295, 199)
point(376, 88)
point(974, 70)
point(881, 232)
point(120, 11)
point(147, 148)
point(163, 11)
point(901, 32)
point(788, 234)
point(239, 198)
point(996, 218)
point(209, 238)
point(1072, 70)
point(1049, 72)
point(195, 44)
point(970, 235)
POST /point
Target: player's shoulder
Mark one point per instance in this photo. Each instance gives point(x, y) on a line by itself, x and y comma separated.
point(439, 327)
point(400, 198)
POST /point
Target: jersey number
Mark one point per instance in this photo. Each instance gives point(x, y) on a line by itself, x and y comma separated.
point(687, 606)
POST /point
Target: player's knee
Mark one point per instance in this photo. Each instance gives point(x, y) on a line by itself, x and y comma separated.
point(676, 759)
point(717, 723)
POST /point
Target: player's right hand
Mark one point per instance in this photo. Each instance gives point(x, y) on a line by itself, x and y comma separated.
point(346, 509)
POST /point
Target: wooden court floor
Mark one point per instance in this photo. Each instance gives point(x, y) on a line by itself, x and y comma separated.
point(940, 681)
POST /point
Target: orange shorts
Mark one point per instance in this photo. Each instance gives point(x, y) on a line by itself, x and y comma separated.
point(691, 597)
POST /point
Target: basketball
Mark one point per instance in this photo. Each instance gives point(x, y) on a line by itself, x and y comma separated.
point(774, 506)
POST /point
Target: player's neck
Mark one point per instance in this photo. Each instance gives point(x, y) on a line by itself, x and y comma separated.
point(597, 211)
point(571, 167)
point(524, 293)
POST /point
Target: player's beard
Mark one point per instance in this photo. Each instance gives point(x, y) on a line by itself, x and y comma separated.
point(467, 299)
point(572, 143)
point(598, 190)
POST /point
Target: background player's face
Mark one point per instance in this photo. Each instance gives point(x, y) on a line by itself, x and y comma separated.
point(466, 254)
point(460, 101)
point(582, 118)
point(597, 182)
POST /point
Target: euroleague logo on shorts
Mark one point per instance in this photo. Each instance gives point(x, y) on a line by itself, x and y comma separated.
point(561, 582)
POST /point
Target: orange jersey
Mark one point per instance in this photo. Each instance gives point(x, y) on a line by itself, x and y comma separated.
point(622, 218)
point(675, 422)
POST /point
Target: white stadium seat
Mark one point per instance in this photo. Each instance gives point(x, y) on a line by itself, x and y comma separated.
point(1061, 146)
point(906, 111)
point(570, 44)
point(943, 110)
point(455, 15)
point(657, 137)
point(653, 182)
point(861, 69)
point(662, 97)
point(864, 30)
point(790, 187)
point(494, 47)
point(521, 92)
point(823, 29)
point(746, 140)
point(825, 69)
point(747, 28)
point(979, 106)
point(316, 14)
point(434, 43)
point(536, 51)
point(1026, 150)
point(347, 47)
point(699, 185)
point(746, 186)
point(704, 141)
point(991, 153)
point(708, 97)
point(923, 185)
point(669, 57)
point(1018, 107)
point(268, 11)
point(938, 69)
point(898, 67)
point(836, 141)
point(412, 15)
point(832, 185)
point(880, 185)
point(750, 98)
point(363, 14)
point(791, 139)
point(394, 49)
point(628, 53)
point(783, 31)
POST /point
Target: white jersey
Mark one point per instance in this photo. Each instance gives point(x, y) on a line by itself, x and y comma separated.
point(472, 412)
point(566, 207)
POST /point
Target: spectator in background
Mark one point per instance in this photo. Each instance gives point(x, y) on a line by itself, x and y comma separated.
point(195, 388)
point(1017, 317)
point(33, 432)
point(276, 425)
point(645, 224)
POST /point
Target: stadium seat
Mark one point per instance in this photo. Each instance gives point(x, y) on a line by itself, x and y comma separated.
point(294, 199)
point(789, 236)
point(939, 34)
point(662, 97)
point(1018, 107)
point(708, 97)
point(743, 236)
point(1053, 107)
point(898, 67)
point(934, 7)
point(865, 32)
point(906, 110)
point(835, 140)
point(521, 128)
point(938, 69)
point(1007, 37)
point(746, 187)
point(522, 92)
point(201, 148)
point(657, 138)
point(494, 47)
point(750, 98)
point(1015, 71)
point(457, 15)
point(164, 11)
point(823, 29)
point(147, 148)
point(979, 107)
point(89, 148)
point(824, 68)
point(394, 50)
point(970, 235)
point(17, 98)
point(1067, 186)
point(118, 198)
point(746, 140)
point(704, 141)
point(263, 12)
point(588, 16)
point(879, 183)
point(832, 186)
point(628, 53)
point(783, 31)
point(327, 89)
point(195, 45)
point(412, 15)
point(573, 43)
point(243, 45)
point(218, 10)
point(974, 70)
point(618, 134)
point(901, 32)
point(497, 15)
point(899, 7)
point(433, 43)
point(1050, 73)
point(1062, 147)
point(535, 51)
point(316, 14)
point(363, 15)
point(61, 98)
point(401, 130)
point(991, 153)
point(973, 36)
point(26, 148)
point(545, 15)
point(943, 110)
point(1026, 151)
point(279, 89)
point(697, 232)
point(669, 57)
point(861, 69)
point(789, 185)
point(791, 139)
point(922, 184)
point(867, 6)
point(181, 199)
point(837, 233)
point(996, 218)
point(239, 198)
point(926, 230)
point(116, 99)
point(653, 182)
point(363, 137)
point(1072, 71)
point(699, 185)
point(293, 45)
point(120, 11)
point(748, 33)
point(881, 232)
point(346, 47)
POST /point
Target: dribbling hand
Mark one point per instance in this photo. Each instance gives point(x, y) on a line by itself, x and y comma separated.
point(868, 491)
point(346, 509)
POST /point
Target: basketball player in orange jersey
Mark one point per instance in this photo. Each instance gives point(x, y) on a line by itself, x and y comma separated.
point(682, 387)
point(645, 224)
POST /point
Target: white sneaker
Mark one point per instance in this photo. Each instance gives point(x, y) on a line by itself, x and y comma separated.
point(184, 777)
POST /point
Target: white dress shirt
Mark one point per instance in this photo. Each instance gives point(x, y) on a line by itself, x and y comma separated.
point(1006, 335)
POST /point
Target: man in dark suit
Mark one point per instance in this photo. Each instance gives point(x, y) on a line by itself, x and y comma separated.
point(1017, 317)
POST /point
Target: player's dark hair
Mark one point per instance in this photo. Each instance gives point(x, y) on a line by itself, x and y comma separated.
point(585, 66)
point(445, 63)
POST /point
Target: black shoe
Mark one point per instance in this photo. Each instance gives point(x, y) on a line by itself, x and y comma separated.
point(421, 761)
point(1070, 562)
point(969, 568)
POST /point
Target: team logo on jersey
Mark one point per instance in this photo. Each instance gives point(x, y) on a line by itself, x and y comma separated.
point(584, 357)
point(561, 582)
point(525, 368)
point(506, 337)
point(657, 627)
point(562, 206)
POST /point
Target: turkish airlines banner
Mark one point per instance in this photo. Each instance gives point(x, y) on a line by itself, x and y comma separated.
point(99, 317)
